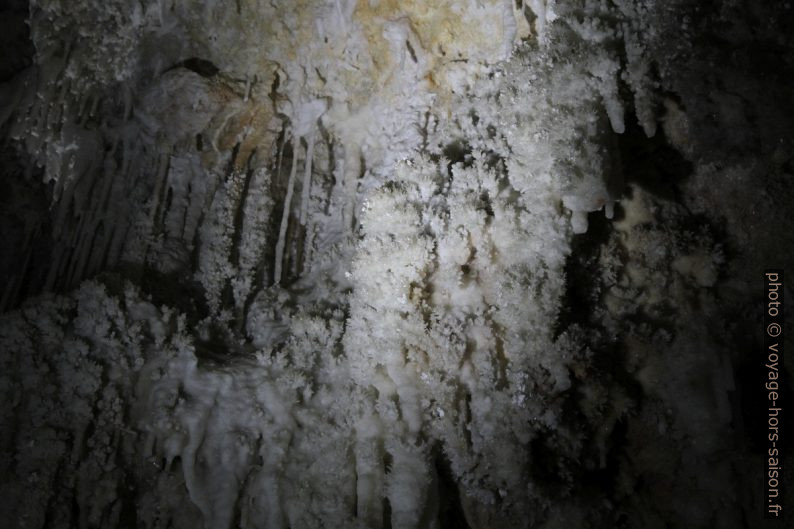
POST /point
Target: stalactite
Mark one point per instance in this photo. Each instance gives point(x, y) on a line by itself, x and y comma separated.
point(352, 169)
point(282, 231)
point(307, 178)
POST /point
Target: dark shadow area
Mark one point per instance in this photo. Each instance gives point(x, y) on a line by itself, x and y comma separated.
point(25, 228)
point(202, 67)
point(17, 48)
point(450, 509)
point(24, 199)
point(581, 271)
point(652, 163)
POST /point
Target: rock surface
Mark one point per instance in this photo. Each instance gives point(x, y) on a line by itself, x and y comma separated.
point(379, 263)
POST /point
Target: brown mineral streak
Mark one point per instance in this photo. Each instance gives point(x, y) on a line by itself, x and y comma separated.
point(253, 125)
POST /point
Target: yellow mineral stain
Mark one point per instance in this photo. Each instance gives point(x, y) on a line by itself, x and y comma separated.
point(442, 28)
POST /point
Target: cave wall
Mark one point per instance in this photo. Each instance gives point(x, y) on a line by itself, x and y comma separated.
point(388, 264)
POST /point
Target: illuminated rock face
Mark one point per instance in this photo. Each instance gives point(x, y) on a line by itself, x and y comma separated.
point(343, 264)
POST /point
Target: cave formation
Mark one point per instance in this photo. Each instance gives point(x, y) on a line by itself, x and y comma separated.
point(439, 264)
